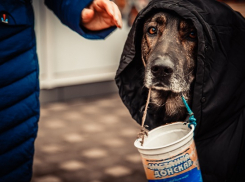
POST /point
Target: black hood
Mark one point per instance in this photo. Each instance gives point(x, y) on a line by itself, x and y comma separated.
point(218, 99)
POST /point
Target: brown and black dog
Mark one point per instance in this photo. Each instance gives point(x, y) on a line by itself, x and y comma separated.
point(168, 48)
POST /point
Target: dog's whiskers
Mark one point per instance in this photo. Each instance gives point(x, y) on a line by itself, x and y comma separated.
point(188, 73)
point(160, 105)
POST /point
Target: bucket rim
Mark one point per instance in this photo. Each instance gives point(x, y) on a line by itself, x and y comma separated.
point(170, 144)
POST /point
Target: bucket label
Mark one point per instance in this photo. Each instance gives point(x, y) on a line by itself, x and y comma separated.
point(183, 167)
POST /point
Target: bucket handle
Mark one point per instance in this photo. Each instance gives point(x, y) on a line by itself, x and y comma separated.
point(191, 119)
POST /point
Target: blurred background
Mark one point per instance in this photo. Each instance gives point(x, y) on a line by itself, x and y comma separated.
point(85, 133)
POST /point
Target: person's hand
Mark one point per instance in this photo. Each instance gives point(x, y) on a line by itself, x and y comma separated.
point(101, 14)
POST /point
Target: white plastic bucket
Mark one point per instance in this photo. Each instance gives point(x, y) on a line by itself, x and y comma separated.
point(169, 154)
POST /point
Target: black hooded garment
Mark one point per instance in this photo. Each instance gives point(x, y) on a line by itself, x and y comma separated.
point(218, 98)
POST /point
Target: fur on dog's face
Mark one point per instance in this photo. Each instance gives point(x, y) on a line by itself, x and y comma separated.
point(168, 50)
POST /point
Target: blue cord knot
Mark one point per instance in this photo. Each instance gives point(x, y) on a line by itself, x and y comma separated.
point(192, 119)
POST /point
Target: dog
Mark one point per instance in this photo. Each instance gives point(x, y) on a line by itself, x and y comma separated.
point(169, 50)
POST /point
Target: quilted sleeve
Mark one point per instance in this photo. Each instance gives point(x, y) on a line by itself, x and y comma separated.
point(69, 13)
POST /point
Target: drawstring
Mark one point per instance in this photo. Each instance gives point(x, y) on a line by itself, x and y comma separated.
point(192, 119)
point(143, 130)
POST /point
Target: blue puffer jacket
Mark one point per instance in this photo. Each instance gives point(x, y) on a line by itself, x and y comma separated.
point(19, 85)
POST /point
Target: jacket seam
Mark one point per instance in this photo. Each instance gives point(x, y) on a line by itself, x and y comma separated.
point(26, 27)
point(16, 168)
point(21, 142)
point(33, 92)
point(17, 54)
point(17, 124)
point(19, 79)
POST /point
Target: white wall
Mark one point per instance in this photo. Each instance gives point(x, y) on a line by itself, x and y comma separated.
point(66, 58)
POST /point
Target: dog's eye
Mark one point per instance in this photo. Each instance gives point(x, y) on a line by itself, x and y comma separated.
point(152, 30)
point(193, 34)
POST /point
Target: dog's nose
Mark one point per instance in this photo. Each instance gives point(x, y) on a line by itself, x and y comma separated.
point(162, 67)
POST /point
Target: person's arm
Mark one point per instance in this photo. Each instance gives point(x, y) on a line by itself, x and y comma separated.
point(70, 13)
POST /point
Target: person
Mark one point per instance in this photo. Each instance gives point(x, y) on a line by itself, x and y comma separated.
point(19, 84)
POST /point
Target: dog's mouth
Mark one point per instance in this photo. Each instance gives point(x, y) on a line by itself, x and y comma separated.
point(175, 84)
point(160, 86)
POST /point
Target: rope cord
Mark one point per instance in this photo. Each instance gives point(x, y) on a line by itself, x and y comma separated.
point(146, 107)
point(192, 119)
point(143, 130)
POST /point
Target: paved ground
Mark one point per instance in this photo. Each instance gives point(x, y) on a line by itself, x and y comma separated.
point(88, 140)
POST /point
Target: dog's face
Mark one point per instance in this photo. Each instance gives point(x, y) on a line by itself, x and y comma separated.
point(168, 49)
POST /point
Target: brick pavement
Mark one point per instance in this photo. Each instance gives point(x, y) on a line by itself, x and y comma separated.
point(87, 140)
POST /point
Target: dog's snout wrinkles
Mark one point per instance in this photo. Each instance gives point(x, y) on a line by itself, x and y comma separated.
point(162, 67)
